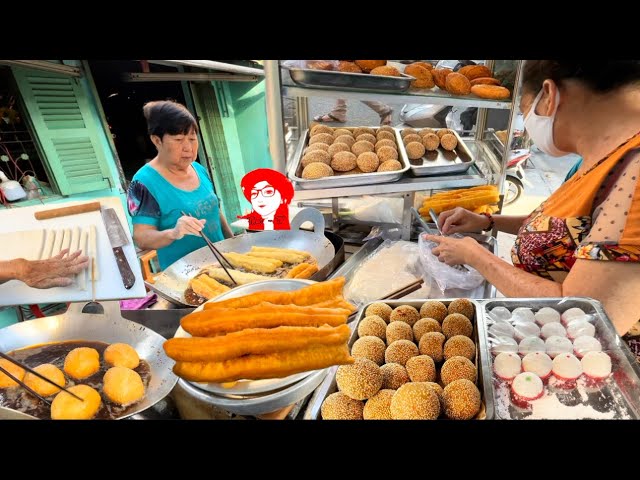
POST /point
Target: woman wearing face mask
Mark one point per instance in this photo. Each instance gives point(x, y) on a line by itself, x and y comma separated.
point(585, 239)
point(172, 183)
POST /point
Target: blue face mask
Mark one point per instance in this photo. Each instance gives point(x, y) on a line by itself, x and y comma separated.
point(540, 128)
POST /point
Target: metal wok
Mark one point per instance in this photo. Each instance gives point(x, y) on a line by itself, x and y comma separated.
point(173, 281)
point(109, 328)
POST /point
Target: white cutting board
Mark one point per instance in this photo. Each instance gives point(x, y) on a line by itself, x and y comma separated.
point(109, 285)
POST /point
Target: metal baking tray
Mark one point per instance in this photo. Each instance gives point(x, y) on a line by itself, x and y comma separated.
point(619, 396)
point(353, 180)
point(329, 79)
point(328, 386)
point(441, 161)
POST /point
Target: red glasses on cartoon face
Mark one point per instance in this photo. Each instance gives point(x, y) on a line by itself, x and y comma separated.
point(267, 191)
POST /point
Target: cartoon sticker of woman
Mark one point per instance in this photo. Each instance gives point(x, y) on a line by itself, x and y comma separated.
point(270, 194)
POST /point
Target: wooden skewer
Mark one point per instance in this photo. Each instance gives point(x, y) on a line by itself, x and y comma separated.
point(37, 374)
point(23, 385)
point(216, 253)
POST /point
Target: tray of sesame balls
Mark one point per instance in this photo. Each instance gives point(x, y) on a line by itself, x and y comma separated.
point(414, 360)
point(556, 359)
point(348, 156)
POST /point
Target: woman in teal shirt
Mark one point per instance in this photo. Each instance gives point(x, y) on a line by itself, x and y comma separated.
point(173, 183)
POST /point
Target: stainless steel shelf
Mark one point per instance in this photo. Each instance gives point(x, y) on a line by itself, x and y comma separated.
point(436, 97)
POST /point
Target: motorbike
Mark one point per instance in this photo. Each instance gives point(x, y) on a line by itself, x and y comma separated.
point(515, 178)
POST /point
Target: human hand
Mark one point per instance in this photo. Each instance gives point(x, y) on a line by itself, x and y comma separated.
point(461, 220)
point(454, 251)
point(56, 271)
point(187, 226)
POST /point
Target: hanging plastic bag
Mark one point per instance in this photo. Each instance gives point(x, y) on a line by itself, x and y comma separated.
point(445, 276)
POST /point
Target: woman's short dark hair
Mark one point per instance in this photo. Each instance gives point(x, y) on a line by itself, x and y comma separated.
point(168, 117)
point(601, 76)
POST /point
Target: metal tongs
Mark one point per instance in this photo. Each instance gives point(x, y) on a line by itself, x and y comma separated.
point(216, 253)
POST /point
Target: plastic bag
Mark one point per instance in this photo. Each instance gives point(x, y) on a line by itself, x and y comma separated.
point(375, 209)
point(314, 64)
point(445, 276)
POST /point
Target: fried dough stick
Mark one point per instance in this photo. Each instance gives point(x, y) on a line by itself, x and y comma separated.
point(272, 365)
point(318, 292)
point(211, 322)
point(338, 302)
point(275, 249)
point(262, 265)
point(285, 257)
point(253, 341)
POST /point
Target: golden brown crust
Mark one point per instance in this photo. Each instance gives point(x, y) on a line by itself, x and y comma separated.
point(348, 67)
point(426, 65)
point(449, 142)
point(458, 84)
point(475, 71)
point(440, 76)
point(485, 81)
point(273, 365)
point(426, 82)
point(431, 141)
point(386, 71)
point(418, 71)
point(319, 65)
point(368, 65)
point(492, 92)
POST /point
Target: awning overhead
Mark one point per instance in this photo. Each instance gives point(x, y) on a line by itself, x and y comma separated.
point(212, 65)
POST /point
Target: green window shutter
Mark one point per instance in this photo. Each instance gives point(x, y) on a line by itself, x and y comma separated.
point(66, 130)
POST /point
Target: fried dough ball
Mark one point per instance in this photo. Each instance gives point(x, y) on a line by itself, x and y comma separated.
point(367, 137)
point(385, 143)
point(456, 368)
point(336, 148)
point(390, 166)
point(460, 346)
point(67, 407)
point(449, 142)
point(339, 406)
point(421, 369)
point(355, 171)
point(123, 386)
point(405, 313)
point(398, 331)
point(343, 161)
point(485, 81)
point(321, 129)
point(386, 128)
point(425, 325)
point(444, 131)
point(438, 391)
point(394, 376)
point(41, 386)
point(341, 131)
point(361, 146)
point(423, 77)
point(369, 347)
point(415, 401)
point(347, 139)
point(317, 170)
point(317, 146)
point(316, 156)
point(430, 142)
point(434, 309)
point(386, 70)
point(456, 324)
point(378, 407)
point(380, 309)
point(372, 325)
point(426, 65)
point(408, 131)
point(426, 131)
point(415, 150)
point(475, 71)
point(426, 82)
point(412, 137)
point(325, 138)
point(440, 76)
point(360, 380)
point(82, 362)
point(492, 92)
point(368, 65)
point(13, 369)
point(349, 67)
point(458, 84)
point(360, 130)
point(386, 154)
point(462, 400)
point(385, 134)
point(431, 344)
point(368, 162)
point(400, 352)
point(463, 306)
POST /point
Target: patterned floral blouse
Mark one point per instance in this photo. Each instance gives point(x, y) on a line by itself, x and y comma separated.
point(594, 216)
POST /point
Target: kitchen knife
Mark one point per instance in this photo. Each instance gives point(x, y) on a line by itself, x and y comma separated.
point(118, 238)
